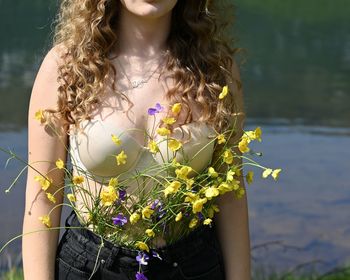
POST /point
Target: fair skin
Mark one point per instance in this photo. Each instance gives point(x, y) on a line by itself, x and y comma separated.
point(39, 249)
point(142, 31)
point(232, 220)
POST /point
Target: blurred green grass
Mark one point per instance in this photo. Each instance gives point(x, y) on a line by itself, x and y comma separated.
point(13, 274)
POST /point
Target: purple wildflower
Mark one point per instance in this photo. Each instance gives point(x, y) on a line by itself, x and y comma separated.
point(142, 258)
point(120, 220)
point(122, 195)
point(161, 212)
point(140, 276)
point(159, 107)
point(200, 216)
point(152, 111)
point(156, 255)
point(154, 204)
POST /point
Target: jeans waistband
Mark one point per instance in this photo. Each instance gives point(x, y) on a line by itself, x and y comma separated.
point(180, 249)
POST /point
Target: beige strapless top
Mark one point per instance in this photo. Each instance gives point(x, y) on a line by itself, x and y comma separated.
point(93, 153)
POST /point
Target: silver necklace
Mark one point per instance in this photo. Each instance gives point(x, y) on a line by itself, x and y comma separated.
point(140, 82)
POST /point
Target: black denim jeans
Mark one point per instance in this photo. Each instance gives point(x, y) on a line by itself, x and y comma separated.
point(196, 256)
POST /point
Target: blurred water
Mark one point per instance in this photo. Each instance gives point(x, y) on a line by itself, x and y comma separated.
point(296, 88)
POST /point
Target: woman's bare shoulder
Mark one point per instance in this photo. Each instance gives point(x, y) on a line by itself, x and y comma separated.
point(54, 58)
point(45, 88)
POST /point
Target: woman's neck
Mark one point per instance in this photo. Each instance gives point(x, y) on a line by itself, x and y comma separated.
point(142, 37)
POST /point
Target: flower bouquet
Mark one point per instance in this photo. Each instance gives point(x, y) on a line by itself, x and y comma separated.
point(179, 200)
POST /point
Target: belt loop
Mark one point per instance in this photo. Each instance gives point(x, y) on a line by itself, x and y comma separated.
point(111, 258)
point(69, 216)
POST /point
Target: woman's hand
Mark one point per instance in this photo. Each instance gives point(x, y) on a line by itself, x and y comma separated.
point(44, 148)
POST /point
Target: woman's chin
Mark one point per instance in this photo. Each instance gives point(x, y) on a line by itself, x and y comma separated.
point(149, 8)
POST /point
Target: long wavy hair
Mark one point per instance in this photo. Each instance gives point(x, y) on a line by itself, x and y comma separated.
point(200, 57)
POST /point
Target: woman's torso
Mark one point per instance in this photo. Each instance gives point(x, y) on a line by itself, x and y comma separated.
point(92, 151)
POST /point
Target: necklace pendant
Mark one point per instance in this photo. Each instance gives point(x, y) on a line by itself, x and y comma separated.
point(137, 83)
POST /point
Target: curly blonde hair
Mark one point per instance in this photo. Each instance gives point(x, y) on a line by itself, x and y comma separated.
point(200, 58)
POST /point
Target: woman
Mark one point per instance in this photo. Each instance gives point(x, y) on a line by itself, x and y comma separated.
point(107, 55)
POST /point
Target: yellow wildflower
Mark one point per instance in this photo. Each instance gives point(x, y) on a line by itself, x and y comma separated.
point(240, 192)
point(207, 221)
point(39, 115)
point(163, 131)
point(71, 197)
point(276, 173)
point(59, 164)
point(228, 156)
point(174, 162)
point(90, 217)
point(44, 182)
point(108, 195)
point(37, 178)
point(167, 191)
point(178, 216)
point(147, 212)
point(224, 187)
point(173, 187)
point(169, 120)
point(266, 172)
point(51, 197)
point(134, 217)
point(223, 92)
point(176, 108)
point(46, 220)
point(212, 172)
point(190, 197)
point(174, 144)
point(229, 175)
point(78, 179)
point(189, 183)
point(121, 158)
point(253, 135)
point(116, 140)
point(243, 145)
point(211, 192)
point(214, 208)
point(249, 177)
point(249, 136)
point(150, 232)
point(193, 223)
point(221, 138)
point(113, 182)
point(153, 147)
point(198, 205)
point(227, 187)
point(258, 133)
point(236, 170)
point(183, 172)
point(142, 245)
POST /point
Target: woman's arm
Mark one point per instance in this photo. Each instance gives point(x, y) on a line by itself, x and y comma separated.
point(39, 249)
point(232, 220)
